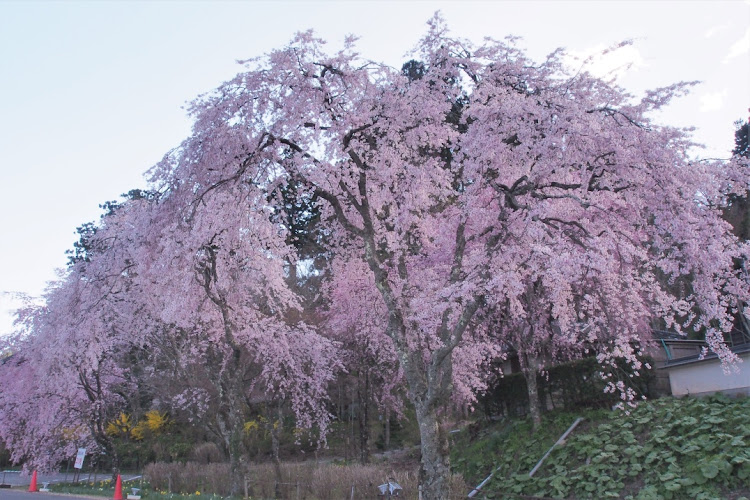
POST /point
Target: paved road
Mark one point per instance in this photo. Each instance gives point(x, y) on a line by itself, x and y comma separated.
point(20, 494)
point(21, 483)
point(14, 478)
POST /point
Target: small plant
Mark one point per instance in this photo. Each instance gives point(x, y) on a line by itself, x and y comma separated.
point(667, 448)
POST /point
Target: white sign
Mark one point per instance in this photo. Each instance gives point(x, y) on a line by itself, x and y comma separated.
point(79, 458)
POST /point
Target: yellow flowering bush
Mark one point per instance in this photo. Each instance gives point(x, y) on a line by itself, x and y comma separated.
point(121, 426)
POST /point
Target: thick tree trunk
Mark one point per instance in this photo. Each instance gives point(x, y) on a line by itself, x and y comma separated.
point(530, 369)
point(115, 464)
point(430, 380)
point(429, 390)
point(435, 468)
point(236, 461)
point(230, 427)
point(230, 422)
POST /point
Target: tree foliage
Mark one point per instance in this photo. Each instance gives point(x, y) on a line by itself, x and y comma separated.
point(472, 201)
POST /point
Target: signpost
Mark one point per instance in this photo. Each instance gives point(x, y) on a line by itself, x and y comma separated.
point(79, 458)
point(79, 464)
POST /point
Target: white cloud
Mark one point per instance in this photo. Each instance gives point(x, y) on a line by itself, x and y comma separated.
point(604, 62)
point(740, 47)
point(713, 101)
point(715, 30)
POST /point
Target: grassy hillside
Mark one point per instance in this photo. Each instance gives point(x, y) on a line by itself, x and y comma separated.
point(667, 448)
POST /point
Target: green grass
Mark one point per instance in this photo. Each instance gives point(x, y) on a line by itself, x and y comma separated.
point(665, 449)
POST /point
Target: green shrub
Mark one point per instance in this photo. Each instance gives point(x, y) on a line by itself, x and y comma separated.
point(667, 449)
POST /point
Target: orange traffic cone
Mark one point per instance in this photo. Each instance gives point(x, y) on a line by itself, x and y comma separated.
point(32, 486)
point(118, 488)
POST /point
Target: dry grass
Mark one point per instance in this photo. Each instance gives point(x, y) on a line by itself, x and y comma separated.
point(189, 477)
point(300, 481)
point(207, 453)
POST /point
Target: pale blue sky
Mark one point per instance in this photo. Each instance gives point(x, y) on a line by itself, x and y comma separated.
point(91, 92)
